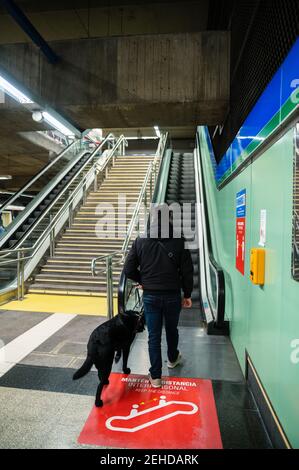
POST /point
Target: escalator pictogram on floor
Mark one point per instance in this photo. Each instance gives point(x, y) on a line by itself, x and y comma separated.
point(180, 415)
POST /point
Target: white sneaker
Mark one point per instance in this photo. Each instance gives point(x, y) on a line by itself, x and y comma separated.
point(172, 365)
point(155, 383)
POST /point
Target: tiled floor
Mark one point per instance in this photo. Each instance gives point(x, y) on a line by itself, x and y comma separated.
point(42, 407)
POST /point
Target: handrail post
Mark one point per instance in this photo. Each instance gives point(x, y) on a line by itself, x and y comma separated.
point(109, 281)
point(84, 192)
point(70, 214)
point(151, 186)
point(95, 181)
point(145, 206)
point(19, 275)
point(52, 238)
point(22, 276)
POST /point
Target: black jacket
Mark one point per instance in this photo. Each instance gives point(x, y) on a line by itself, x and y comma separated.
point(151, 266)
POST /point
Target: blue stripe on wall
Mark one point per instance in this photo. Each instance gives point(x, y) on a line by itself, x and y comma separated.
point(273, 98)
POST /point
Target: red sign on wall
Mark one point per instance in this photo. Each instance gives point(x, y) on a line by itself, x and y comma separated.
point(180, 415)
point(240, 245)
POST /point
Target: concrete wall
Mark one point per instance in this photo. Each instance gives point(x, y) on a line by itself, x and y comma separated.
point(169, 79)
point(264, 320)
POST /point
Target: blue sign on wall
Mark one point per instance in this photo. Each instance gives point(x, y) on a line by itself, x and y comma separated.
point(241, 204)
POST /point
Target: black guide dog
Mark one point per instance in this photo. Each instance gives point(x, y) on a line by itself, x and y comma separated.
point(115, 335)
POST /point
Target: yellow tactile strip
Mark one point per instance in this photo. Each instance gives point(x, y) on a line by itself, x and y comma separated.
point(47, 303)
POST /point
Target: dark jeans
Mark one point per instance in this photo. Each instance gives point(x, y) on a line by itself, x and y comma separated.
point(159, 307)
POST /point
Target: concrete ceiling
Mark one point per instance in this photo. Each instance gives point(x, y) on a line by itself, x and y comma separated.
point(59, 20)
point(47, 5)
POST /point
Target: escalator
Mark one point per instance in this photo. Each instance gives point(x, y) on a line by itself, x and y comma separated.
point(56, 191)
point(181, 190)
point(180, 181)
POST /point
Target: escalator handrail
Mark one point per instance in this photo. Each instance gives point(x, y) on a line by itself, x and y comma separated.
point(57, 217)
point(42, 194)
point(161, 183)
point(160, 156)
point(37, 176)
point(220, 316)
point(40, 240)
point(37, 200)
point(24, 188)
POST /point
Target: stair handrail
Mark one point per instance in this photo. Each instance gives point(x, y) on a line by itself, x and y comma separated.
point(156, 167)
point(95, 271)
point(122, 252)
point(150, 177)
point(22, 252)
point(109, 260)
point(152, 168)
point(121, 143)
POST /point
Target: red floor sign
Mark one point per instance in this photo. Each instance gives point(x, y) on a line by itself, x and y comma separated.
point(180, 415)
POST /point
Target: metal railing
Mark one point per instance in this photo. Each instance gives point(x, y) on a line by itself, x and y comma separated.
point(21, 254)
point(108, 262)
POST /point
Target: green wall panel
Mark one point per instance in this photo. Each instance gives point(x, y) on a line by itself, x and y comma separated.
point(264, 320)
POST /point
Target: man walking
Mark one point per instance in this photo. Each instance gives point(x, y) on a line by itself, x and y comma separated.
point(163, 266)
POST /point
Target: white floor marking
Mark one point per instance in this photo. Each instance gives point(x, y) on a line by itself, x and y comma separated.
point(163, 405)
point(15, 351)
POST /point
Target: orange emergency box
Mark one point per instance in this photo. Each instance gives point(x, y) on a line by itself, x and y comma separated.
point(257, 266)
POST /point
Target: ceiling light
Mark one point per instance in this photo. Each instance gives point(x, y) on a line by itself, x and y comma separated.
point(37, 116)
point(157, 130)
point(14, 92)
point(57, 124)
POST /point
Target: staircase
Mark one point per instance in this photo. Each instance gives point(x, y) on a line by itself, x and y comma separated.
point(69, 271)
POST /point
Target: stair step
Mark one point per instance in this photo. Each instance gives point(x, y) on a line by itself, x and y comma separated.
point(87, 246)
point(68, 290)
point(59, 260)
point(104, 241)
point(67, 276)
point(93, 254)
point(55, 282)
point(71, 271)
